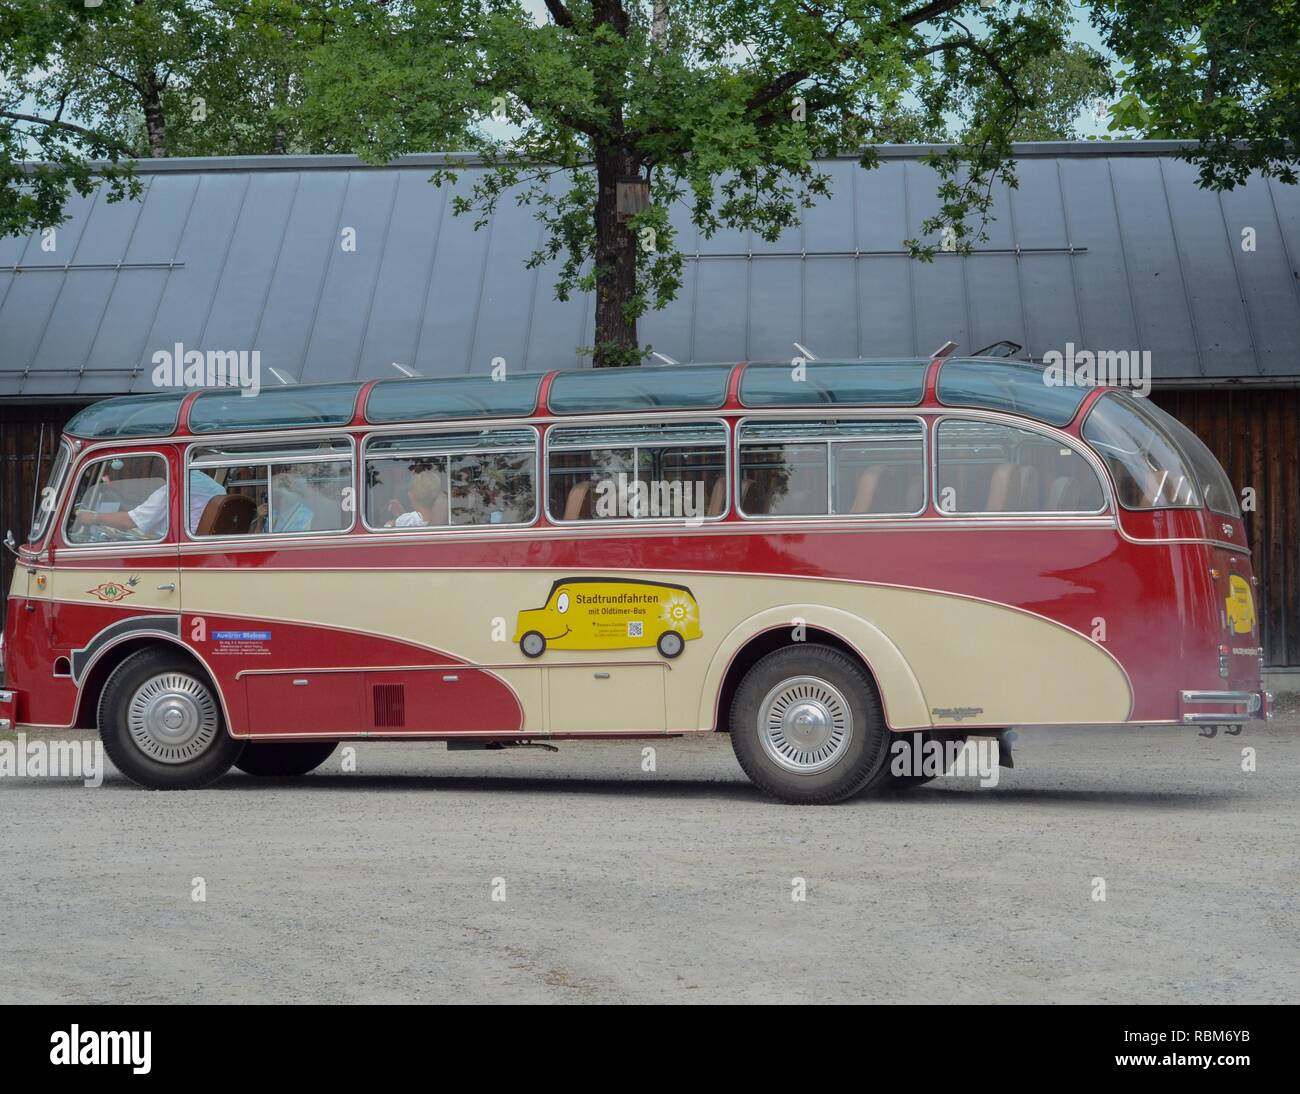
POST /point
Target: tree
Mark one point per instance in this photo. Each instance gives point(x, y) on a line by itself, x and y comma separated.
point(1224, 74)
point(32, 196)
point(185, 77)
point(724, 107)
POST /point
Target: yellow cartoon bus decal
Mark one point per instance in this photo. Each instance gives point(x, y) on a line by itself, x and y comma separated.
point(609, 614)
point(1241, 605)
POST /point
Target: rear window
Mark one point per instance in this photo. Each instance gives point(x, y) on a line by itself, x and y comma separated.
point(1216, 487)
point(1149, 470)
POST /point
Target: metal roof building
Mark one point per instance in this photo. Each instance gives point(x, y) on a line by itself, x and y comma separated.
point(1105, 245)
point(1109, 246)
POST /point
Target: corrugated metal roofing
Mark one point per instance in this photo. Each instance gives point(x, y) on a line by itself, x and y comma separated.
point(1108, 246)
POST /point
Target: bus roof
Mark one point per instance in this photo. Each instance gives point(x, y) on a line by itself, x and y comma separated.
point(1017, 387)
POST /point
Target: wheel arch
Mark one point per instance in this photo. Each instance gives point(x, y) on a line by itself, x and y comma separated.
point(901, 696)
point(96, 674)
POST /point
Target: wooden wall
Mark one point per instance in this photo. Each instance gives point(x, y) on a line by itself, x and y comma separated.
point(29, 437)
point(1255, 433)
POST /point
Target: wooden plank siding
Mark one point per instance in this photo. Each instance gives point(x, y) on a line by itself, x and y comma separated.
point(1254, 432)
point(29, 438)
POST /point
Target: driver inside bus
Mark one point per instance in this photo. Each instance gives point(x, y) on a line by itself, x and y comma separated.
point(149, 518)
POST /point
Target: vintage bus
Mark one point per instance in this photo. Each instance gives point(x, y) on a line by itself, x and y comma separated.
point(814, 559)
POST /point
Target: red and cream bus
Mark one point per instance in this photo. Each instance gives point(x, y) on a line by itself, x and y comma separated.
point(812, 559)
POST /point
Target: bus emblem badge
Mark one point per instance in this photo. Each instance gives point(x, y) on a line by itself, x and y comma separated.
point(111, 592)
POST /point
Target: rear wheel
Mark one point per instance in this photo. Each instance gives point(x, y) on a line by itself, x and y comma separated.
point(806, 725)
point(161, 723)
point(284, 757)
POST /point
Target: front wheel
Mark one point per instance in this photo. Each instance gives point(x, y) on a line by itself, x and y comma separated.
point(807, 727)
point(284, 757)
point(161, 723)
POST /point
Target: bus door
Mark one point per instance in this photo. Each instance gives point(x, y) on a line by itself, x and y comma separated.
point(116, 568)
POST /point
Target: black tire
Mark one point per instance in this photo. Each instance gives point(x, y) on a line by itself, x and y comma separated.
point(539, 647)
point(181, 763)
point(852, 764)
point(284, 757)
point(670, 644)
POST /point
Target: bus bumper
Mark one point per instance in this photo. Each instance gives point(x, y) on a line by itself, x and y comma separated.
point(8, 709)
point(1225, 708)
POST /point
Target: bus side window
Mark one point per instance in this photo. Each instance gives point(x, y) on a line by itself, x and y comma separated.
point(783, 479)
point(456, 480)
point(883, 476)
point(121, 498)
point(840, 467)
point(231, 492)
point(637, 472)
point(987, 467)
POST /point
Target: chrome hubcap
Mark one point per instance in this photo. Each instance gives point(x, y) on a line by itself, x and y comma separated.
point(804, 725)
point(172, 718)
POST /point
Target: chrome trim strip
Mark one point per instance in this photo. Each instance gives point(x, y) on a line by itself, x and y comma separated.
point(1216, 719)
point(463, 666)
point(1250, 698)
point(165, 626)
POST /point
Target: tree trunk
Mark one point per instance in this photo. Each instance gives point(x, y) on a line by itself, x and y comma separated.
point(154, 122)
point(616, 338)
point(616, 342)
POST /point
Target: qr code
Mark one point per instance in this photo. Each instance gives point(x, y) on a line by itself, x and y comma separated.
point(635, 630)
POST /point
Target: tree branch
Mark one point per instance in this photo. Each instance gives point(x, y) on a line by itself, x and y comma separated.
point(54, 123)
point(562, 16)
point(930, 11)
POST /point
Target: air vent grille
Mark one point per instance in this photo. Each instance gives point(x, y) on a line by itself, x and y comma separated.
point(390, 705)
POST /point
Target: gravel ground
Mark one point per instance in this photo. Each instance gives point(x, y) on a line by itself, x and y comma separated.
point(627, 886)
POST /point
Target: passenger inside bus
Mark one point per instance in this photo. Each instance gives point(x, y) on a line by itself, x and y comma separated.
point(428, 502)
point(291, 506)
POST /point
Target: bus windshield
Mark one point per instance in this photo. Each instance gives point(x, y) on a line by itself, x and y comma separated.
point(47, 499)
